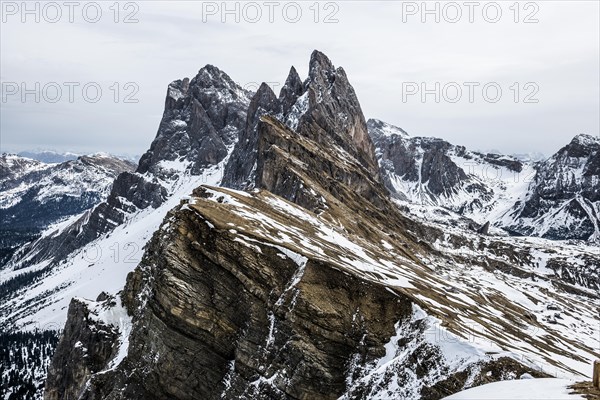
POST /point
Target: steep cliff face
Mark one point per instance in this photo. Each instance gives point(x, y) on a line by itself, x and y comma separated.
point(301, 170)
point(91, 339)
point(222, 308)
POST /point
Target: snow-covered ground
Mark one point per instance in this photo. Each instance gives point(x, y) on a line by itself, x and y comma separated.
point(524, 389)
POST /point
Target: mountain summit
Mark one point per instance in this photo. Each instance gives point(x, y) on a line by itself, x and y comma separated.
point(324, 108)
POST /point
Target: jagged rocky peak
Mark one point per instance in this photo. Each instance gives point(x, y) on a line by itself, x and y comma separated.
point(202, 119)
point(212, 77)
point(264, 99)
point(333, 115)
point(323, 109)
point(240, 170)
point(291, 91)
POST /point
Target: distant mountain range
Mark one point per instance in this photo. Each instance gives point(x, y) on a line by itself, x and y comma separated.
point(554, 198)
point(54, 157)
point(35, 195)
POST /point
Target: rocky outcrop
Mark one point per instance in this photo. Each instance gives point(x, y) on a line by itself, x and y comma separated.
point(269, 325)
point(237, 313)
point(86, 345)
point(202, 118)
point(291, 91)
point(292, 166)
point(334, 117)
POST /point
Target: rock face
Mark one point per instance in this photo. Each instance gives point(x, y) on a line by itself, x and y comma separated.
point(34, 195)
point(291, 91)
point(92, 343)
point(334, 116)
point(556, 198)
point(241, 168)
point(201, 120)
point(219, 314)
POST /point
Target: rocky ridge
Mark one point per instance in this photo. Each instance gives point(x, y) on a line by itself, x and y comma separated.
point(324, 108)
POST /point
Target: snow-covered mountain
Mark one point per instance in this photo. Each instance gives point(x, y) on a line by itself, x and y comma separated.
point(56, 157)
point(563, 201)
point(35, 195)
point(257, 252)
point(557, 198)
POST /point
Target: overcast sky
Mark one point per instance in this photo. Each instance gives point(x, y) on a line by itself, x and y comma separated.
point(549, 67)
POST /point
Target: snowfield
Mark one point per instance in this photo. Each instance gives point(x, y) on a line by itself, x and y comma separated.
point(525, 389)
